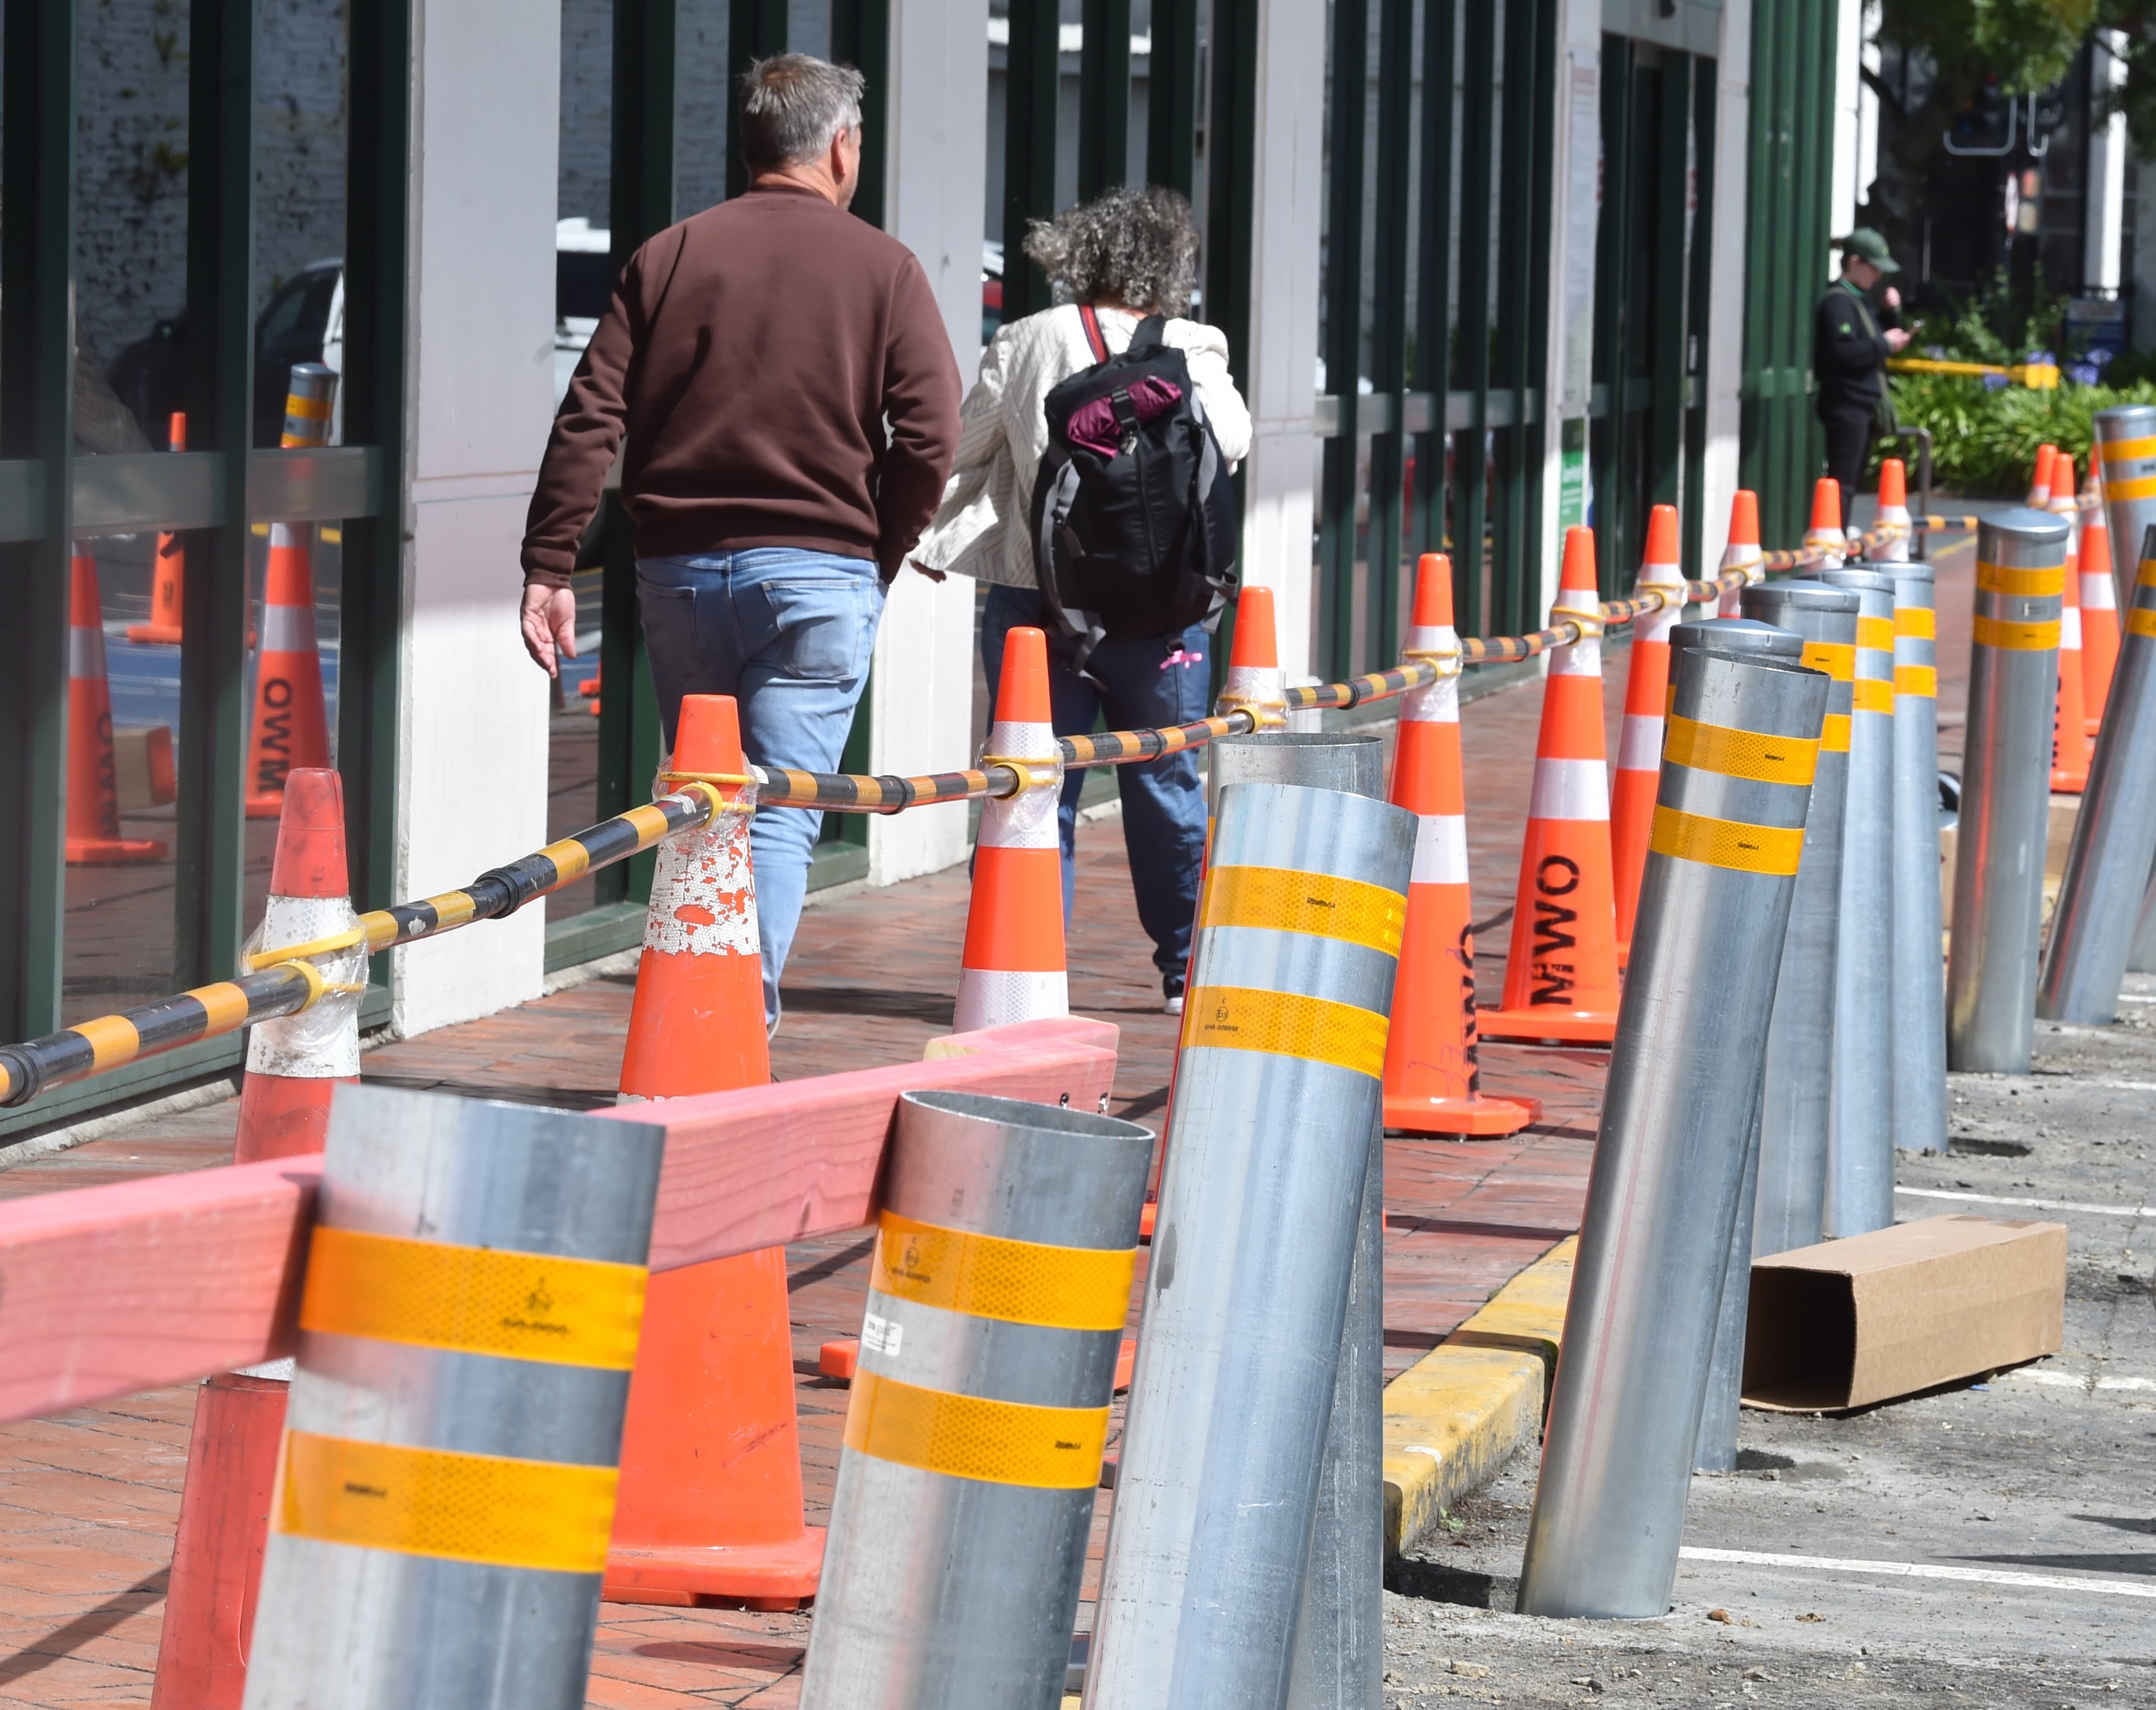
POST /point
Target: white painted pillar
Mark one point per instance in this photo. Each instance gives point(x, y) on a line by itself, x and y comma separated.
point(1281, 478)
point(1843, 190)
point(921, 710)
point(1575, 226)
point(2104, 221)
point(472, 709)
point(1727, 262)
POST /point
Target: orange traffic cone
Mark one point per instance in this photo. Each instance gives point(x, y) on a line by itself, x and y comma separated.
point(292, 1064)
point(1011, 968)
point(2070, 743)
point(1743, 551)
point(2039, 482)
point(1824, 536)
point(169, 580)
point(2099, 617)
point(291, 725)
point(710, 1503)
point(1561, 973)
point(93, 789)
point(1640, 742)
point(1255, 681)
point(1433, 1079)
point(1893, 513)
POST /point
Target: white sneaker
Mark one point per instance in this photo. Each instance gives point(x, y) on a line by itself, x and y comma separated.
point(1173, 1006)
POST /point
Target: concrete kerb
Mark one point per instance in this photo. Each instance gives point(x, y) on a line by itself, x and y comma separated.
point(1458, 1414)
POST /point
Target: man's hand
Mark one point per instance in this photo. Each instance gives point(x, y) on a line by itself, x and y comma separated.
point(549, 622)
point(1890, 297)
point(1896, 337)
point(922, 569)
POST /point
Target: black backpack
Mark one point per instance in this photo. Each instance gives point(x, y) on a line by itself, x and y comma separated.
point(1134, 518)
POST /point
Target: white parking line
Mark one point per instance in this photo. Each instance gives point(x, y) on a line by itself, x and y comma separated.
point(2140, 1210)
point(2135, 998)
point(2130, 1085)
point(2069, 1380)
point(1920, 1570)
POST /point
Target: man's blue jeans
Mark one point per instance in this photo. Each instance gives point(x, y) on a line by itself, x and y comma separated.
point(1163, 799)
point(788, 634)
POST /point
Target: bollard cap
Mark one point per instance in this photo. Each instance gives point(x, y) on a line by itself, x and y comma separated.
point(1743, 635)
point(1433, 593)
point(1865, 580)
point(2021, 528)
point(1800, 594)
point(2125, 421)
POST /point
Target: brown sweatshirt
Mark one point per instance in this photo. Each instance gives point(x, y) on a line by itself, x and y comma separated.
point(754, 354)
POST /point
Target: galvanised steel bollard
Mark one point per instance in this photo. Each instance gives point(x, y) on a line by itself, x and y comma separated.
point(2142, 959)
point(473, 1294)
point(1860, 1166)
point(1339, 1640)
point(2005, 799)
point(1685, 1075)
point(1918, 978)
point(996, 1298)
point(2127, 432)
point(1278, 1096)
point(1793, 1105)
point(2107, 880)
point(1717, 1450)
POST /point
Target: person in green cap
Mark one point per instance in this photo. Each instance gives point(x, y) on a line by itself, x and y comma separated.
point(1851, 340)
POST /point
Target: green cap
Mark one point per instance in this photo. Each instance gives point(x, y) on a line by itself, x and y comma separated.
point(1867, 245)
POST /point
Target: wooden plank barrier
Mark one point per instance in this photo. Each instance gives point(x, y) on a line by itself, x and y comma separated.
point(111, 1290)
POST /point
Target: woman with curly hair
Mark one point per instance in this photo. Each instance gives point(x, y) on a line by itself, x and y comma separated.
point(1128, 254)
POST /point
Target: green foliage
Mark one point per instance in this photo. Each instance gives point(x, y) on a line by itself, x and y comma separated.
point(1983, 441)
point(2027, 44)
point(1999, 325)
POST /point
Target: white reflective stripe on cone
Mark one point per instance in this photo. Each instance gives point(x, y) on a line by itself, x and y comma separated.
point(1438, 702)
point(1577, 659)
point(85, 651)
point(992, 997)
point(1570, 790)
point(2097, 592)
point(321, 1042)
point(1639, 743)
point(1264, 684)
point(1026, 820)
point(1441, 851)
point(2070, 628)
point(288, 629)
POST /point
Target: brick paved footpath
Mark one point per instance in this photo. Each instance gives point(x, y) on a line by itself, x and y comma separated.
point(88, 1500)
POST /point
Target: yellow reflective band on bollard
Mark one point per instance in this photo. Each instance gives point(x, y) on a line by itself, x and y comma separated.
point(1916, 623)
point(964, 1436)
point(2145, 576)
point(1874, 694)
point(1286, 1023)
point(1916, 679)
point(474, 1300)
point(2138, 487)
point(2033, 582)
point(1834, 734)
point(549, 1515)
point(1876, 634)
point(1022, 1282)
point(1740, 753)
point(2141, 621)
point(1837, 659)
point(2118, 451)
point(2015, 637)
point(1286, 900)
point(1773, 849)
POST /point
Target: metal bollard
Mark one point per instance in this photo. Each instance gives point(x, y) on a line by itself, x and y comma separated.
point(1793, 1105)
point(1685, 1075)
point(1859, 1167)
point(473, 1294)
point(2127, 432)
point(2101, 902)
point(2005, 801)
point(1918, 979)
point(1717, 1449)
point(996, 1298)
point(1278, 1096)
point(1339, 1642)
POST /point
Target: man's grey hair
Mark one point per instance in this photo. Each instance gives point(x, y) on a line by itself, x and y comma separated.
point(792, 107)
point(1138, 246)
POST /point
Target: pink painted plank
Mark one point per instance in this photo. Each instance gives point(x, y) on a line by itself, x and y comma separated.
point(109, 1291)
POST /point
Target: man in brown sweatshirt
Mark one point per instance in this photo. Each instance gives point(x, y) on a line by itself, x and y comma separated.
point(789, 400)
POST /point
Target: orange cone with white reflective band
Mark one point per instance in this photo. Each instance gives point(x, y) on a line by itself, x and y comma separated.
point(93, 838)
point(1640, 740)
point(709, 1500)
point(1432, 1074)
point(168, 574)
point(1254, 680)
point(1561, 974)
point(1824, 539)
point(2070, 743)
point(2099, 592)
point(2039, 479)
point(291, 724)
point(1743, 552)
point(1011, 968)
point(1893, 520)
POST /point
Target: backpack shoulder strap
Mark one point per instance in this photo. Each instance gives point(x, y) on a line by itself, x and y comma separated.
point(1151, 332)
point(1092, 324)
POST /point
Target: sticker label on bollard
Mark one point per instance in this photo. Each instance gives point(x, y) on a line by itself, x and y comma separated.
point(2019, 582)
point(2016, 637)
point(1732, 843)
point(1288, 1024)
point(474, 1300)
point(965, 1436)
point(488, 1508)
point(1741, 753)
point(1286, 900)
point(1837, 659)
point(1022, 1282)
